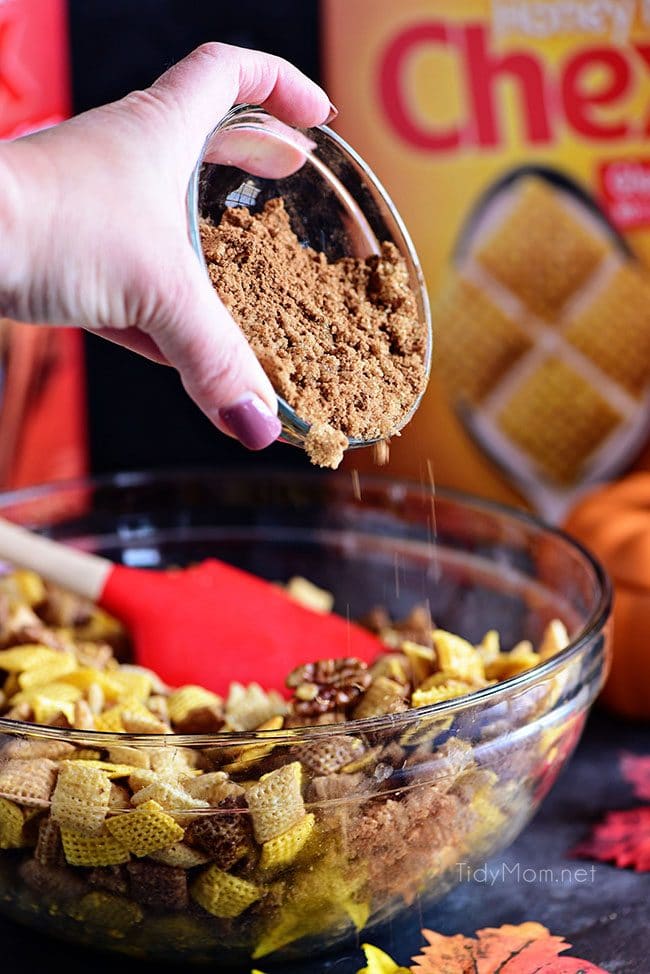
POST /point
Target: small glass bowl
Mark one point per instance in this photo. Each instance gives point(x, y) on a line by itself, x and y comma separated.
point(334, 201)
point(432, 788)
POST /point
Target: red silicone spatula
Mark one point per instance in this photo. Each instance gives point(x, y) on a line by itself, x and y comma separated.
point(210, 624)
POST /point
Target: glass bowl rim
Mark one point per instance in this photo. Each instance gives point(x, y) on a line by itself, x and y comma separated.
point(296, 425)
point(366, 725)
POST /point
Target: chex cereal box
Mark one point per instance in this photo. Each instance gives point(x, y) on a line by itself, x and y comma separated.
point(514, 138)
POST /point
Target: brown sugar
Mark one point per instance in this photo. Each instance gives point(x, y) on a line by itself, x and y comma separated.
point(325, 445)
point(341, 341)
point(381, 453)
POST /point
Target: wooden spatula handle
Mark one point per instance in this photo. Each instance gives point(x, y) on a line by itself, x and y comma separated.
point(75, 570)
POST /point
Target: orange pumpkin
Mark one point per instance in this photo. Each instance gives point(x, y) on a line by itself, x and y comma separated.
point(614, 523)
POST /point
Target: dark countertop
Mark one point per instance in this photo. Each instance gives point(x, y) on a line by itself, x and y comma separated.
point(602, 911)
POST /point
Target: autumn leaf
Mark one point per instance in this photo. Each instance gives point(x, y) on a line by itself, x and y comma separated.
point(622, 838)
point(526, 949)
point(635, 768)
point(501, 950)
point(377, 962)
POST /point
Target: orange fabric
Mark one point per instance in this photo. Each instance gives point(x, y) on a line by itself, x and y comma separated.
point(42, 403)
point(34, 83)
point(42, 416)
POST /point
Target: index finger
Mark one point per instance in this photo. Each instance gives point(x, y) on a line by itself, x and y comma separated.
point(214, 77)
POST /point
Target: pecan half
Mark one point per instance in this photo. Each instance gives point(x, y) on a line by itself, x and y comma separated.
point(328, 684)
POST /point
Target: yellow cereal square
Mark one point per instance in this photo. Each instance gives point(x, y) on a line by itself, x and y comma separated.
point(558, 419)
point(100, 628)
point(366, 760)
point(23, 585)
point(421, 660)
point(212, 787)
point(11, 825)
point(81, 798)
point(395, 666)
point(458, 658)
point(224, 895)
point(448, 690)
point(170, 761)
point(47, 673)
point(85, 754)
point(46, 709)
point(21, 658)
point(30, 782)
point(110, 770)
point(56, 691)
point(424, 730)
point(488, 817)
point(125, 754)
point(554, 640)
point(276, 802)
point(85, 676)
point(246, 757)
point(520, 658)
point(383, 696)
point(168, 796)
point(140, 723)
point(315, 900)
point(92, 850)
point(188, 698)
point(282, 850)
point(28, 748)
point(248, 707)
point(110, 720)
point(489, 647)
point(146, 829)
point(142, 777)
point(613, 331)
point(134, 684)
point(540, 251)
point(477, 343)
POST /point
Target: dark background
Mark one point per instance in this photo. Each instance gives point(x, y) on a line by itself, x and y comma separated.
point(139, 415)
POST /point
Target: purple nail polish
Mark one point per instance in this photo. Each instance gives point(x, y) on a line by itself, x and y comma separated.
point(252, 422)
point(332, 115)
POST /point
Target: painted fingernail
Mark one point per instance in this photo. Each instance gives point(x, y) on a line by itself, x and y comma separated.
point(332, 115)
point(252, 422)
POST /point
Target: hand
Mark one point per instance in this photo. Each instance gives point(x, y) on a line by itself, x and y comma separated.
point(95, 234)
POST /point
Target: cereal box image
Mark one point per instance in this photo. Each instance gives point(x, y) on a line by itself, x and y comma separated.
point(514, 138)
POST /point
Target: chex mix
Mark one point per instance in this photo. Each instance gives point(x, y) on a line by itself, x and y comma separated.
point(282, 816)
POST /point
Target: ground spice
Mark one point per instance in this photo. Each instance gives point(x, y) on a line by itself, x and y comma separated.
point(341, 341)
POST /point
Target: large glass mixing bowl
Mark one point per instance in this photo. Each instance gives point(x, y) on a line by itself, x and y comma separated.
point(437, 786)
